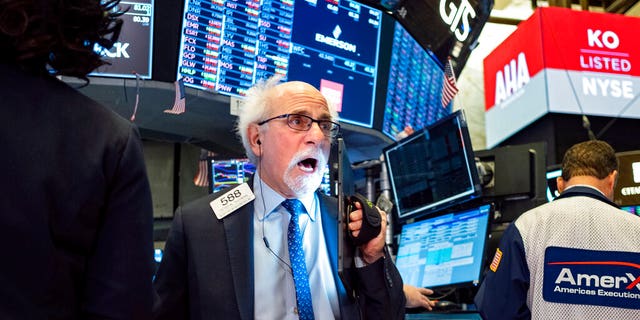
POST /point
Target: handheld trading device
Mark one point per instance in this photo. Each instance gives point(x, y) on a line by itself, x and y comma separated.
point(371, 220)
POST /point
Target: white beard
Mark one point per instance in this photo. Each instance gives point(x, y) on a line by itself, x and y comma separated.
point(303, 184)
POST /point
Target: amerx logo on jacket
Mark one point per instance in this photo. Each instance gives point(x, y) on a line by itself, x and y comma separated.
point(605, 278)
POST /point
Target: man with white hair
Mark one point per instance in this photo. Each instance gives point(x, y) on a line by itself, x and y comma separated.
point(268, 249)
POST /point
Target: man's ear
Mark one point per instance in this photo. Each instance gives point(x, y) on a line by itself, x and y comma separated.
point(253, 134)
point(613, 179)
point(560, 183)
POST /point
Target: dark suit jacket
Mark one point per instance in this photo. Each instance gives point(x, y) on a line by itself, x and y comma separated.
point(75, 206)
point(207, 268)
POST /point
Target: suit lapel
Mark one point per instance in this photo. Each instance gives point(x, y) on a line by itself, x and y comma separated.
point(329, 211)
point(330, 230)
point(239, 236)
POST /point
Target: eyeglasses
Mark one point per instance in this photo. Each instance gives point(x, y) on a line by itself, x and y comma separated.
point(301, 122)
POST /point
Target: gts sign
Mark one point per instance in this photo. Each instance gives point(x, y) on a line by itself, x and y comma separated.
point(119, 50)
point(458, 17)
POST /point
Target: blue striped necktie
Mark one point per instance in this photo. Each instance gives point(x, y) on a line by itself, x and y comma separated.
point(296, 257)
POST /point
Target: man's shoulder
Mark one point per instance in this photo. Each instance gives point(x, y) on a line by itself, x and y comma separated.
point(327, 199)
point(201, 207)
point(568, 210)
point(199, 203)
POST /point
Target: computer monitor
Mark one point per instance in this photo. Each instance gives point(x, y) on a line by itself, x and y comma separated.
point(627, 189)
point(445, 251)
point(517, 181)
point(552, 184)
point(229, 172)
point(133, 52)
point(414, 89)
point(433, 168)
point(157, 259)
point(632, 209)
point(228, 46)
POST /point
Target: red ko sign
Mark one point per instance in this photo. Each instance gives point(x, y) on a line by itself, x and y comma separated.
point(566, 61)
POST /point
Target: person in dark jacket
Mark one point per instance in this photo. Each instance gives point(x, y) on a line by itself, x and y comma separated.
point(230, 255)
point(75, 209)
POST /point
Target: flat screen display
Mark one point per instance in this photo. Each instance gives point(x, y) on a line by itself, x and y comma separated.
point(627, 189)
point(552, 184)
point(414, 90)
point(226, 46)
point(433, 169)
point(227, 173)
point(445, 251)
point(632, 209)
point(132, 54)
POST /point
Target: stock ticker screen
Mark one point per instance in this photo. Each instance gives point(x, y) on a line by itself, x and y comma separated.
point(132, 53)
point(228, 45)
point(414, 90)
point(230, 172)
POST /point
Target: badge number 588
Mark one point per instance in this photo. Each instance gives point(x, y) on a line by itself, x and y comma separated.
point(231, 200)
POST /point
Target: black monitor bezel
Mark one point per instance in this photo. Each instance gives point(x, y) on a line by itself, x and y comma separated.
point(552, 172)
point(210, 173)
point(475, 205)
point(625, 160)
point(115, 68)
point(354, 103)
point(430, 209)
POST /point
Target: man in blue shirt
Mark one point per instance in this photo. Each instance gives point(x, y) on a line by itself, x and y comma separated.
point(228, 254)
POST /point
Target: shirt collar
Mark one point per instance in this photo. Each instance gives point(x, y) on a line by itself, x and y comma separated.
point(267, 199)
point(586, 186)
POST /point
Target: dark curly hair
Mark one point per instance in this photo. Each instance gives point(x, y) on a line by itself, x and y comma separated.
point(57, 37)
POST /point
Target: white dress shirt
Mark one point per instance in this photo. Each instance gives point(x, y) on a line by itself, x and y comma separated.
point(275, 295)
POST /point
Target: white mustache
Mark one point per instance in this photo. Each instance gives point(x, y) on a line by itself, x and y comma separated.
point(314, 153)
point(303, 184)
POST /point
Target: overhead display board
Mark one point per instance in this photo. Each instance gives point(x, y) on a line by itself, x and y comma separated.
point(414, 89)
point(132, 54)
point(627, 189)
point(448, 28)
point(228, 45)
point(562, 61)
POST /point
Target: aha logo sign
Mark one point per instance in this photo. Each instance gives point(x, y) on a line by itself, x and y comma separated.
point(460, 14)
point(514, 76)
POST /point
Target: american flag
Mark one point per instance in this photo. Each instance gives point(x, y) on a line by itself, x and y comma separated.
point(179, 102)
point(449, 88)
point(201, 178)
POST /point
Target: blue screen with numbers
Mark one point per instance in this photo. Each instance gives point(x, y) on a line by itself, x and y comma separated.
point(230, 172)
point(226, 46)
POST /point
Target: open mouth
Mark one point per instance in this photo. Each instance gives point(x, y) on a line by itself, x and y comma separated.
point(308, 165)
